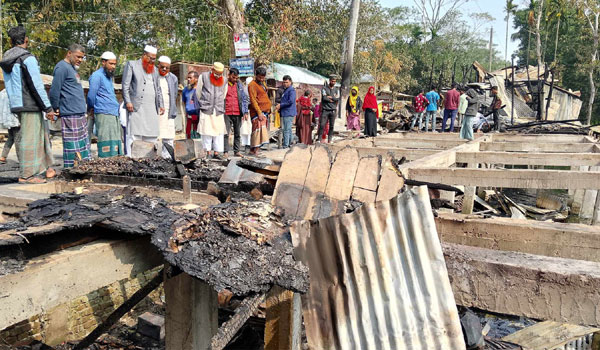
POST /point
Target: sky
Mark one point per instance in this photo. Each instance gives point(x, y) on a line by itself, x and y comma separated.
point(494, 8)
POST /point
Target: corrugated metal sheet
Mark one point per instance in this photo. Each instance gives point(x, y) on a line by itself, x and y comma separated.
point(563, 106)
point(378, 279)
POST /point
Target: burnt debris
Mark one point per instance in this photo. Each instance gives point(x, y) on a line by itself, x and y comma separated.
point(200, 170)
point(242, 246)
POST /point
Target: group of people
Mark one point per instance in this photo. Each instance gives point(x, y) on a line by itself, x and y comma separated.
point(216, 107)
point(460, 102)
point(310, 112)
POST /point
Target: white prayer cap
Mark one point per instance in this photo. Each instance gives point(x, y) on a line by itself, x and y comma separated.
point(218, 67)
point(107, 55)
point(150, 49)
point(164, 59)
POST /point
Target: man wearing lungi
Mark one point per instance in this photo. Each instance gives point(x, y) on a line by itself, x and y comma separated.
point(68, 101)
point(28, 99)
point(103, 103)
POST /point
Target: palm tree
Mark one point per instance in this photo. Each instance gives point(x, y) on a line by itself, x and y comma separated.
point(510, 8)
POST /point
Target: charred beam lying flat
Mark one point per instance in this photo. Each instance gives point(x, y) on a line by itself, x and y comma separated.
point(572, 241)
point(538, 138)
point(201, 170)
point(434, 186)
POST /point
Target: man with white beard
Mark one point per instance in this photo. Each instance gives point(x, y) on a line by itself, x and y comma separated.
point(68, 101)
point(169, 86)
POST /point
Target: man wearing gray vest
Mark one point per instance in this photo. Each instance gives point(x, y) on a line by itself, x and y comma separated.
point(211, 91)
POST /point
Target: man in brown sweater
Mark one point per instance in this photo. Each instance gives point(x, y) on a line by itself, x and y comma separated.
point(260, 108)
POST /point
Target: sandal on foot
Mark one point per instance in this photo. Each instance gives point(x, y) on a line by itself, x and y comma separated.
point(32, 180)
point(50, 173)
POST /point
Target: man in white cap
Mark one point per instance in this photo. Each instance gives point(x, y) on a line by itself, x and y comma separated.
point(211, 90)
point(169, 85)
point(103, 104)
point(143, 98)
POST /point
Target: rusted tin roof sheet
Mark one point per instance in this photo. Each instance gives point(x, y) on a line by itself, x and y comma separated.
point(378, 278)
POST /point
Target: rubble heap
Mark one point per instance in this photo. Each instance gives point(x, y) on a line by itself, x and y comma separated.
point(237, 246)
point(159, 168)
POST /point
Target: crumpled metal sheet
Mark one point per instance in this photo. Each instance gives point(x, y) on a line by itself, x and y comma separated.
point(378, 278)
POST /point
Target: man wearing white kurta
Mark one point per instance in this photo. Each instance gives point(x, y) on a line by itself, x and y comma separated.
point(169, 87)
point(211, 91)
point(143, 98)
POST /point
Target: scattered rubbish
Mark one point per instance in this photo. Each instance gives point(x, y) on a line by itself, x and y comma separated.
point(237, 246)
point(396, 120)
point(555, 335)
point(151, 325)
point(472, 330)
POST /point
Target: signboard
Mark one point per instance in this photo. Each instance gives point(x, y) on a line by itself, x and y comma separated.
point(241, 42)
point(244, 65)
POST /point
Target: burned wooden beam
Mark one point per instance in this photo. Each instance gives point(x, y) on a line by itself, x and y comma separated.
point(157, 168)
point(229, 329)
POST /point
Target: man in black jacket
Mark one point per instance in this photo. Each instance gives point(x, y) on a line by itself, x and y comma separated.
point(330, 95)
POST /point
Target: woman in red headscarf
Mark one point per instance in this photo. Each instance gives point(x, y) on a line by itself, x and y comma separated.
point(371, 112)
point(304, 121)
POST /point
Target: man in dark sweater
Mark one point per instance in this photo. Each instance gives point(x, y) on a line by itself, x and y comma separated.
point(28, 99)
point(329, 99)
point(68, 101)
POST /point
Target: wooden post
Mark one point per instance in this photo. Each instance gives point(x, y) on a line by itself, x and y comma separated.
point(588, 205)
point(187, 189)
point(283, 328)
point(470, 193)
point(192, 311)
point(491, 46)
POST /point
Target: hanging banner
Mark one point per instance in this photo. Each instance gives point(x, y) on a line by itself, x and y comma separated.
point(244, 65)
point(241, 42)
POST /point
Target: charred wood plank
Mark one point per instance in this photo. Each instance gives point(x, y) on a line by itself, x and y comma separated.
point(228, 330)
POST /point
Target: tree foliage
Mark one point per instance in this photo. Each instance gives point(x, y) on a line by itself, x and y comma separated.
point(182, 29)
point(565, 28)
point(393, 45)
